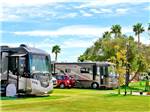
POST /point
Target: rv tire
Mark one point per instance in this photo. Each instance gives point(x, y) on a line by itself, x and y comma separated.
point(94, 85)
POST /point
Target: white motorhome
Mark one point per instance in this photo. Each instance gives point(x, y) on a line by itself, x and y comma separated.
point(24, 70)
point(89, 74)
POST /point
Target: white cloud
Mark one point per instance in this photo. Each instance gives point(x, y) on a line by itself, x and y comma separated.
point(85, 3)
point(73, 30)
point(127, 30)
point(29, 13)
point(147, 8)
point(144, 38)
point(10, 17)
point(122, 10)
point(69, 15)
point(79, 30)
point(77, 44)
point(97, 3)
point(106, 10)
point(19, 3)
point(102, 10)
point(86, 14)
point(95, 11)
point(15, 10)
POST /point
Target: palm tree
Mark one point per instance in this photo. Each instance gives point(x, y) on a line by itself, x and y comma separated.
point(148, 26)
point(56, 49)
point(106, 34)
point(138, 29)
point(116, 29)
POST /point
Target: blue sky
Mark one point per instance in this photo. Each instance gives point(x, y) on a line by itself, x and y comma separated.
point(74, 25)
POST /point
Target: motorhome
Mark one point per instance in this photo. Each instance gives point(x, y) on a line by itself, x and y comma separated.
point(89, 74)
point(24, 70)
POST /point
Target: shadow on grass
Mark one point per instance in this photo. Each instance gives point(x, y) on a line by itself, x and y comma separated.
point(134, 89)
point(112, 95)
point(31, 96)
point(85, 88)
point(115, 95)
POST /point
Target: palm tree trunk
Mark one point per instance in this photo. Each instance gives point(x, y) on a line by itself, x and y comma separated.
point(138, 42)
point(115, 35)
point(55, 56)
point(119, 89)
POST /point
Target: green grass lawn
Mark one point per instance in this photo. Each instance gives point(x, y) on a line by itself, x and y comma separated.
point(78, 100)
point(140, 85)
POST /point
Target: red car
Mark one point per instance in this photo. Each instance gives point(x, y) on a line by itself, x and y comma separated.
point(65, 81)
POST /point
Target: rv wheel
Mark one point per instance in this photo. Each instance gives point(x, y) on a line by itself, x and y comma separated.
point(11, 90)
point(94, 85)
point(62, 86)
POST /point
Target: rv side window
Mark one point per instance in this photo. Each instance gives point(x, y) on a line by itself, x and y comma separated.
point(84, 70)
point(22, 65)
point(106, 71)
point(101, 71)
point(111, 71)
point(13, 65)
point(67, 70)
point(4, 63)
point(98, 69)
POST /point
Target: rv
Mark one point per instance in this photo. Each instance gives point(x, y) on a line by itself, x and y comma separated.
point(89, 74)
point(24, 70)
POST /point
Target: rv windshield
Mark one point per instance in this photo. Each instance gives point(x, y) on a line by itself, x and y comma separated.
point(39, 64)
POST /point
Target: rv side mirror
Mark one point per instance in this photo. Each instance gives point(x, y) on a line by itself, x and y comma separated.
point(33, 68)
point(21, 69)
point(21, 65)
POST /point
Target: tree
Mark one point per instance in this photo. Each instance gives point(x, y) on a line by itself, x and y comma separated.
point(56, 49)
point(138, 29)
point(104, 49)
point(148, 28)
point(116, 29)
point(106, 34)
point(82, 58)
point(119, 59)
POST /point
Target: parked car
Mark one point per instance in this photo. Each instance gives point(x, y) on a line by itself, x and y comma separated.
point(65, 81)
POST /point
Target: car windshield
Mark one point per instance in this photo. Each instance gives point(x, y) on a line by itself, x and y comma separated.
point(62, 77)
point(39, 64)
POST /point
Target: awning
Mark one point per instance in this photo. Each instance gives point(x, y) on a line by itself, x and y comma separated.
point(17, 55)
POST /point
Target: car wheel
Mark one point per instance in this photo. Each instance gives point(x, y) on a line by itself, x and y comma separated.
point(94, 85)
point(62, 85)
point(69, 87)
